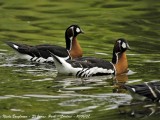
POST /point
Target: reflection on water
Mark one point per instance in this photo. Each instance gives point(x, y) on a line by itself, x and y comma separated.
point(69, 91)
point(72, 95)
point(140, 110)
point(35, 89)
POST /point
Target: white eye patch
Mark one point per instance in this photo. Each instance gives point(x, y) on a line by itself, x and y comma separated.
point(78, 30)
point(124, 45)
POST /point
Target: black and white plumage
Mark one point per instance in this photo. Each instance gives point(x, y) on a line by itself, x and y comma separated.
point(150, 90)
point(84, 67)
point(41, 53)
point(89, 66)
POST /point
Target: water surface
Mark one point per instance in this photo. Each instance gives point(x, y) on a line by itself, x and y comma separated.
point(35, 91)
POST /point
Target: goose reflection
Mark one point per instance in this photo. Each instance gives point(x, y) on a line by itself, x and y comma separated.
point(140, 109)
point(118, 83)
point(136, 108)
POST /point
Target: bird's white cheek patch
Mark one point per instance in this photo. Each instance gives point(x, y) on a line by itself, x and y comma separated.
point(124, 45)
point(78, 30)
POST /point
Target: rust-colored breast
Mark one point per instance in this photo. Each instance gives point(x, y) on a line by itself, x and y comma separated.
point(122, 65)
point(76, 50)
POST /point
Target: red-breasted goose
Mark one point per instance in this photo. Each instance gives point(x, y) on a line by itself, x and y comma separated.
point(41, 53)
point(90, 66)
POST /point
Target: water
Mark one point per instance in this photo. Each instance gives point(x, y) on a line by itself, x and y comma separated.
point(34, 91)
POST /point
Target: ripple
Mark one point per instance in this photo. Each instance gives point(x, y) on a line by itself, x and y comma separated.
point(46, 96)
point(130, 72)
point(4, 97)
point(34, 70)
point(89, 109)
point(140, 110)
point(2, 54)
point(27, 18)
point(152, 61)
point(99, 53)
point(116, 97)
point(41, 80)
point(110, 107)
point(133, 81)
point(91, 81)
point(11, 96)
point(73, 102)
point(115, 5)
point(3, 50)
point(17, 110)
point(23, 65)
point(17, 8)
point(112, 99)
point(6, 65)
point(15, 65)
point(133, 54)
point(78, 88)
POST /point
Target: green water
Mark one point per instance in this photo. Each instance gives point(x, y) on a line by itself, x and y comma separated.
point(35, 91)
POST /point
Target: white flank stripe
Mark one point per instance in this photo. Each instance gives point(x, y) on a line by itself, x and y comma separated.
point(157, 90)
point(38, 59)
point(133, 89)
point(15, 46)
point(65, 68)
point(50, 59)
point(41, 60)
point(34, 58)
point(153, 93)
point(25, 56)
point(92, 71)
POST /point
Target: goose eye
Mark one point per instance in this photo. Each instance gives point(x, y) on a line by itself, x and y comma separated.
point(124, 45)
point(78, 30)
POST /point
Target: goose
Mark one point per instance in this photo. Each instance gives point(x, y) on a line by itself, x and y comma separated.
point(40, 53)
point(91, 66)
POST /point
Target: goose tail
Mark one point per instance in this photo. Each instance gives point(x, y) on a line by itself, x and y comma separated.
point(57, 60)
point(62, 66)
